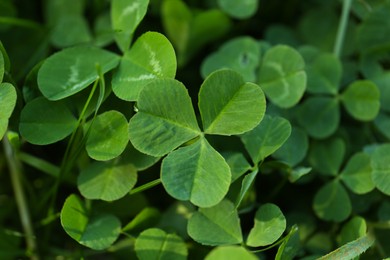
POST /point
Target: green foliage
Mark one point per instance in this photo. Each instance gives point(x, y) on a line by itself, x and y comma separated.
point(209, 129)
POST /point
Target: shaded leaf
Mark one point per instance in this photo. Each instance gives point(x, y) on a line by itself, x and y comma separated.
point(230, 253)
point(107, 180)
point(228, 105)
point(238, 165)
point(245, 185)
point(159, 127)
point(7, 104)
point(140, 160)
point(290, 246)
point(282, 76)
point(2, 69)
point(270, 224)
point(382, 82)
point(218, 225)
point(148, 217)
point(155, 243)
point(108, 136)
point(239, 9)
point(380, 163)
point(151, 56)
point(70, 30)
point(196, 173)
point(72, 70)
point(357, 174)
point(266, 138)
point(94, 231)
point(45, 122)
point(352, 230)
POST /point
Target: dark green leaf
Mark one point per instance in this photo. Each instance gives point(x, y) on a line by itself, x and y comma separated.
point(290, 247)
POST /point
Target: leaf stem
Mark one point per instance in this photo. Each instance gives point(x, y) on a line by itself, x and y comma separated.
point(342, 27)
point(20, 22)
point(15, 169)
point(145, 186)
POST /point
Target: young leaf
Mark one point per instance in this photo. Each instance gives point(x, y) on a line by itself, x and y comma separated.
point(155, 243)
point(380, 163)
point(94, 231)
point(108, 136)
point(45, 122)
point(361, 99)
point(228, 105)
point(245, 185)
point(159, 127)
point(218, 225)
point(240, 54)
point(71, 70)
point(196, 173)
point(152, 56)
point(107, 180)
point(357, 174)
point(7, 104)
point(230, 253)
point(266, 138)
point(282, 76)
point(239, 9)
point(332, 202)
point(327, 156)
point(353, 229)
point(270, 224)
point(319, 116)
point(125, 17)
point(290, 246)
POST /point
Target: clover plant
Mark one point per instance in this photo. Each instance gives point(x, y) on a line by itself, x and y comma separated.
point(146, 129)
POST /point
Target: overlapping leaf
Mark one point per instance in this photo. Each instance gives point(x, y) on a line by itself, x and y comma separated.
point(7, 105)
point(294, 149)
point(152, 56)
point(239, 9)
point(380, 163)
point(357, 174)
point(72, 70)
point(230, 252)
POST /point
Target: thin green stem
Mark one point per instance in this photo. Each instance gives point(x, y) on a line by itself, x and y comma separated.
point(145, 186)
point(342, 27)
point(20, 22)
point(15, 169)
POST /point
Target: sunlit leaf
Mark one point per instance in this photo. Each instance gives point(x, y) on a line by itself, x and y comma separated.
point(319, 116)
point(357, 174)
point(228, 105)
point(239, 9)
point(332, 202)
point(107, 180)
point(361, 99)
point(108, 136)
point(196, 173)
point(270, 224)
point(94, 231)
point(125, 17)
point(282, 76)
point(159, 127)
point(72, 70)
point(230, 253)
point(240, 54)
point(155, 243)
point(380, 163)
point(353, 229)
point(218, 225)
point(45, 122)
point(266, 138)
point(151, 56)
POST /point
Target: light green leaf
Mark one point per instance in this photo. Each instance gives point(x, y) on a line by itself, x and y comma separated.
point(319, 116)
point(152, 56)
point(155, 243)
point(197, 173)
point(361, 99)
point(159, 127)
point(357, 174)
point(294, 150)
point(332, 202)
point(290, 246)
point(353, 229)
point(7, 104)
point(2, 69)
point(327, 156)
point(380, 163)
point(44, 122)
point(108, 136)
point(230, 253)
point(125, 17)
point(324, 74)
point(241, 54)
point(107, 180)
point(270, 224)
point(72, 70)
point(218, 225)
point(228, 105)
point(282, 76)
point(239, 9)
point(238, 164)
point(94, 231)
point(245, 185)
point(266, 138)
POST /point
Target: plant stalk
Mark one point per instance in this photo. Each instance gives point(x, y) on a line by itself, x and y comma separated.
point(342, 27)
point(15, 170)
